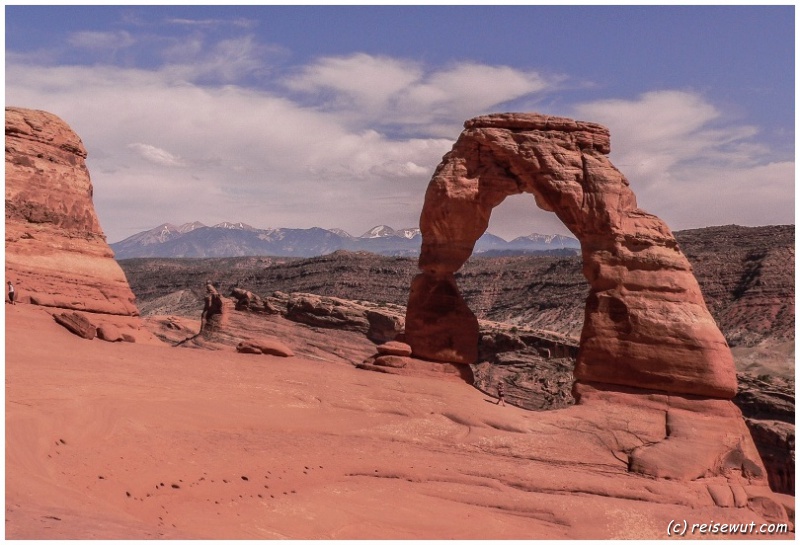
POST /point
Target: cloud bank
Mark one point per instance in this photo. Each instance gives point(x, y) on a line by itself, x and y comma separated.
point(690, 166)
point(224, 130)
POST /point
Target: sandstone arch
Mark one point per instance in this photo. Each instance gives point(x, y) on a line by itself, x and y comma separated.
point(646, 323)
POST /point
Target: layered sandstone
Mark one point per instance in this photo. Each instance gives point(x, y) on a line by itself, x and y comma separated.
point(56, 252)
point(646, 323)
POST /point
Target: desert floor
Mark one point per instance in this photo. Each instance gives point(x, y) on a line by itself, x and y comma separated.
point(148, 441)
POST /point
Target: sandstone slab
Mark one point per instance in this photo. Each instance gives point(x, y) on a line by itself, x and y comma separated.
point(270, 347)
point(109, 333)
point(409, 366)
point(379, 325)
point(77, 324)
point(394, 348)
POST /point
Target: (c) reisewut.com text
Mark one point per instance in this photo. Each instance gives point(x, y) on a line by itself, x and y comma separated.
point(680, 528)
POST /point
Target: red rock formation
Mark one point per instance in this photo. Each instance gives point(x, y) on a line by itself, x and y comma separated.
point(646, 323)
point(394, 348)
point(271, 347)
point(439, 324)
point(56, 253)
point(404, 365)
point(77, 324)
point(378, 324)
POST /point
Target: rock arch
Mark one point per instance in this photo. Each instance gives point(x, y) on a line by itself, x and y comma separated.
point(646, 323)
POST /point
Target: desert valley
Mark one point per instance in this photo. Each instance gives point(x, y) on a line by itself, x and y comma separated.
point(649, 379)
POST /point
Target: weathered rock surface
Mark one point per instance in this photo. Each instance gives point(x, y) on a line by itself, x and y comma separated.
point(246, 330)
point(535, 367)
point(216, 311)
point(271, 347)
point(768, 406)
point(775, 443)
point(414, 367)
point(109, 333)
point(55, 249)
point(439, 324)
point(378, 324)
point(77, 324)
point(394, 348)
point(247, 300)
point(537, 372)
point(699, 437)
point(636, 272)
point(56, 253)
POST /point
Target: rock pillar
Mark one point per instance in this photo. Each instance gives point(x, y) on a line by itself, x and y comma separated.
point(56, 253)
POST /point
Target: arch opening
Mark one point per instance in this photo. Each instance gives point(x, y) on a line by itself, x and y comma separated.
point(522, 240)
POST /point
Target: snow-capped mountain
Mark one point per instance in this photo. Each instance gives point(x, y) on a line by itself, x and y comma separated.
point(408, 232)
point(231, 225)
point(232, 239)
point(341, 232)
point(383, 231)
point(156, 235)
point(186, 227)
point(379, 231)
point(537, 241)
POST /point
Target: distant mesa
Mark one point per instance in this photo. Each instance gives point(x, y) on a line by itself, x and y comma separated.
point(237, 239)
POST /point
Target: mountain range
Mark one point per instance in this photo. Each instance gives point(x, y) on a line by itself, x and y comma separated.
point(236, 239)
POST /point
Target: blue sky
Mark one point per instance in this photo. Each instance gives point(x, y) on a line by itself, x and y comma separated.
point(336, 116)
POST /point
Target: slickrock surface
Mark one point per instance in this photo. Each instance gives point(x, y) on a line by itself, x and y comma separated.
point(270, 347)
point(308, 342)
point(310, 325)
point(646, 323)
point(56, 253)
point(122, 440)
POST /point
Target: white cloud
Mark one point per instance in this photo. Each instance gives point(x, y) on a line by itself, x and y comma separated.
point(211, 23)
point(156, 155)
point(386, 91)
point(224, 61)
point(359, 81)
point(692, 167)
point(471, 85)
point(95, 40)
